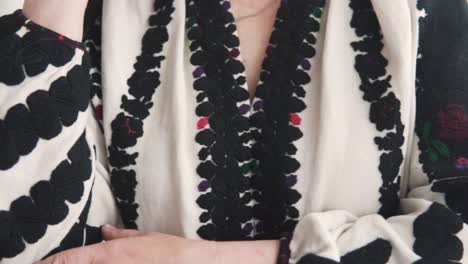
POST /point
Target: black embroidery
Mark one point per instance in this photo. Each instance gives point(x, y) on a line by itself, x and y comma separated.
point(81, 234)
point(92, 42)
point(276, 116)
point(435, 236)
point(384, 105)
point(29, 216)
point(32, 53)
point(376, 252)
point(442, 100)
point(43, 116)
point(228, 167)
point(213, 45)
point(127, 127)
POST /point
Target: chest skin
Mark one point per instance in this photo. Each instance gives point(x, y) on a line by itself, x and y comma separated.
point(255, 23)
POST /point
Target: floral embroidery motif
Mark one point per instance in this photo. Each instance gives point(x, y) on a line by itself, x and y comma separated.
point(436, 149)
point(48, 203)
point(462, 163)
point(127, 127)
point(384, 105)
point(453, 123)
point(441, 117)
point(441, 126)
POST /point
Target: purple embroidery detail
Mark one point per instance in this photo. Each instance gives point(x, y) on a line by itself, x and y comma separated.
point(291, 180)
point(244, 109)
point(306, 65)
point(203, 186)
point(227, 5)
point(199, 71)
point(258, 105)
point(248, 228)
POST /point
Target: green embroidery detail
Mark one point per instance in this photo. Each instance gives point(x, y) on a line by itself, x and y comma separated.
point(248, 167)
point(441, 148)
point(436, 148)
point(317, 12)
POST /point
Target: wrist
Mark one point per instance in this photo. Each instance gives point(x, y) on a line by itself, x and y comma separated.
point(63, 17)
point(204, 251)
point(255, 252)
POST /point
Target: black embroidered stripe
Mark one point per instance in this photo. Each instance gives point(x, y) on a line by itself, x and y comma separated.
point(127, 127)
point(81, 234)
point(376, 252)
point(214, 48)
point(384, 105)
point(43, 116)
point(435, 233)
point(276, 119)
point(92, 42)
point(442, 127)
point(442, 100)
point(30, 54)
point(29, 216)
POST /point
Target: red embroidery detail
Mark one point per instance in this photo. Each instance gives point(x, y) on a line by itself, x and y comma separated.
point(453, 122)
point(130, 131)
point(98, 112)
point(462, 161)
point(60, 37)
point(295, 119)
point(202, 122)
point(235, 53)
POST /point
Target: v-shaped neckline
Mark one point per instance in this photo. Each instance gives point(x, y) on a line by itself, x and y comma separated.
point(243, 143)
point(266, 54)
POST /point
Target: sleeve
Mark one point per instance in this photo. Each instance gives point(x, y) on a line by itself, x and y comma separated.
point(431, 225)
point(54, 181)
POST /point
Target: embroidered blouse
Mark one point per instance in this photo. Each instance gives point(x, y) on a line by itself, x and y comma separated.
point(353, 150)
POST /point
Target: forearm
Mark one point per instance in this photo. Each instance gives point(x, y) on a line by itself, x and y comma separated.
point(252, 252)
point(64, 17)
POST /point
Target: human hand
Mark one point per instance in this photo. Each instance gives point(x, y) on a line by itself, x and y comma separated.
point(131, 246)
point(63, 17)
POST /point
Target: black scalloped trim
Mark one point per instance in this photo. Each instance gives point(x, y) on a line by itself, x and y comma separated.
point(435, 233)
point(93, 42)
point(30, 54)
point(442, 100)
point(384, 105)
point(127, 127)
point(376, 252)
point(43, 116)
point(29, 216)
point(276, 119)
point(221, 125)
point(228, 167)
point(81, 234)
point(442, 127)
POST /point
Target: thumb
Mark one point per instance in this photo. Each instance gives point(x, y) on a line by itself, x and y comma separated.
point(111, 233)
